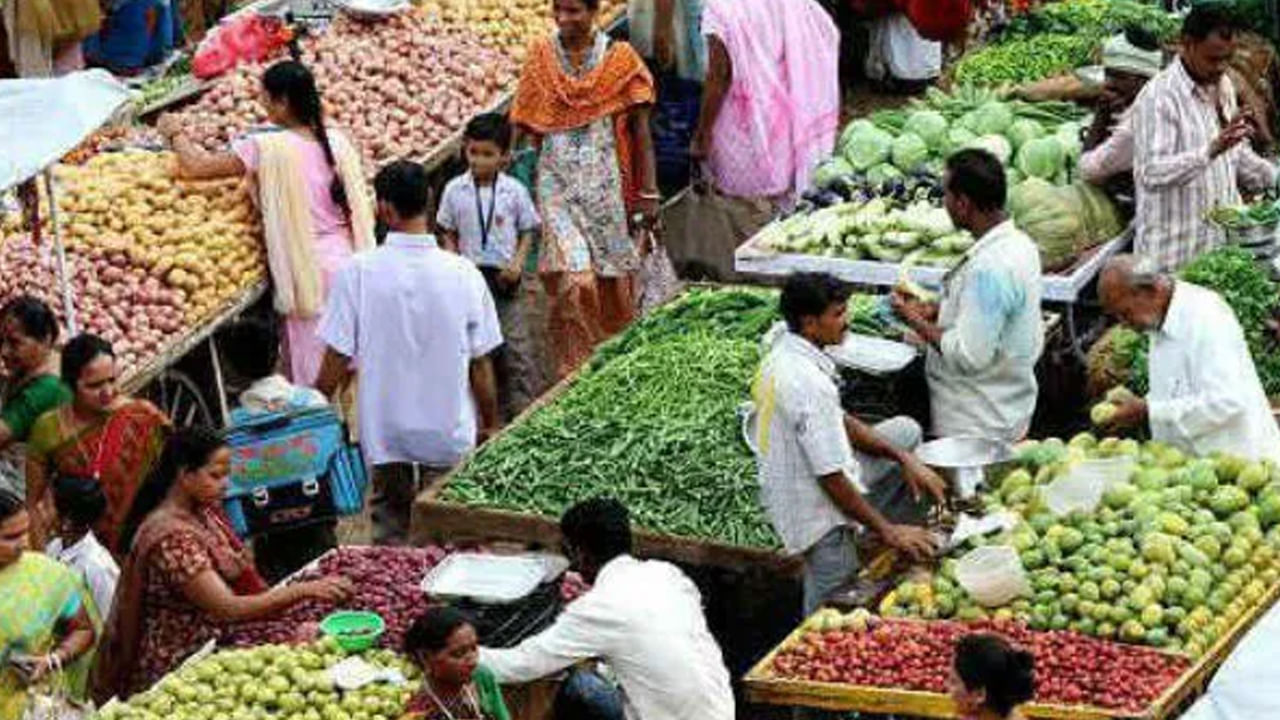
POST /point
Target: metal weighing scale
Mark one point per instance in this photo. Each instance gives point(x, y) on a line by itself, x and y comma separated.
point(965, 459)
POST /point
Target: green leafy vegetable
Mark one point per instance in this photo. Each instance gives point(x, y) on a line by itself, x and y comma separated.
point(909, 151)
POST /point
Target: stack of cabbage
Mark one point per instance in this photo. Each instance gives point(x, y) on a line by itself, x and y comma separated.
point(873, 230)
point(1031, 139)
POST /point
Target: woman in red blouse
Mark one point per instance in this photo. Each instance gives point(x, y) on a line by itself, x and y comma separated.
point(186, 575)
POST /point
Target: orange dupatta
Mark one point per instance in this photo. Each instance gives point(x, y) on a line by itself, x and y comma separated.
point(549, 100)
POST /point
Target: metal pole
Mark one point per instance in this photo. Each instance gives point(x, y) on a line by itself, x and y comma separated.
point(68, 304)
point(218, 384)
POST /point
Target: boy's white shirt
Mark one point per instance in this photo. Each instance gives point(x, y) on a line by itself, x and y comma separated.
point(95, 564)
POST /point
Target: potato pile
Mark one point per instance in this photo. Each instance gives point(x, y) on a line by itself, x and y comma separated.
point(509, 24)
point(398, 86)
point(149, 256)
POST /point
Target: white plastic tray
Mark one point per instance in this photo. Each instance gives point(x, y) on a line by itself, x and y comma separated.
point(494, 579)
point(874, 355)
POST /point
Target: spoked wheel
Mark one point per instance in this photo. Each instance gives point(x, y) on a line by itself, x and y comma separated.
point(175, 393)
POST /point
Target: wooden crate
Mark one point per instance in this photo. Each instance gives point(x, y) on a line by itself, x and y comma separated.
point(762, 687)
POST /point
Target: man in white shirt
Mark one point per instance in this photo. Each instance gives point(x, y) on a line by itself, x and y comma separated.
point(1191, 144)
point(813, 486)
point(419, 323)
point(1205, 393)
point(643, 618)
point(984, 338)
point(80, 504)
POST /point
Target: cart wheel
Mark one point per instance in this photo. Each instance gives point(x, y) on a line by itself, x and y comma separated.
point(178, 396)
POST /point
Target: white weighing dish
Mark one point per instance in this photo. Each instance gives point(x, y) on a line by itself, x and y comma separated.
point(966, 457)
point(486, 578)
point(872, 354)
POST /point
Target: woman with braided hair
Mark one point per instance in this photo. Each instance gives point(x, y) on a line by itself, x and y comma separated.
point(315, 210)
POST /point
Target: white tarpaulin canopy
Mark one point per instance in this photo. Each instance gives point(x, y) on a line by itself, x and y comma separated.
point(1246, 686)
point(43, 119)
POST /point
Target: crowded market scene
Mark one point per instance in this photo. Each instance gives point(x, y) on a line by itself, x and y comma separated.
point(639, 359)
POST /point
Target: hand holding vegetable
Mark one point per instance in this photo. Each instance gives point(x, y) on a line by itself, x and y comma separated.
point(1130, 413)
point(334, 588)
point(907, 307)
point(915, 541)
point(1239, 129)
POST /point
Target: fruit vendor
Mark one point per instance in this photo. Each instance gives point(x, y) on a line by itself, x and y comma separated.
point(983, 339)
point(1130, 59)
point(815, 488)
point(1191, 144)
point(1205, 393)
point(643, 618)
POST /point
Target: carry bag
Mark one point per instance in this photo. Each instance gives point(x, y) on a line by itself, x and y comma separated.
point(292, 468)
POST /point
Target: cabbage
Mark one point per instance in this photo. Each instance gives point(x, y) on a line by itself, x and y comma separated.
point(929, 125)
point(1100, 218)
point(957, 137)
point(1012, 176)
point(969, 121)
point(867, 148)
point(909, 151)
point(1051, 216)
point(1023, 130)
point(883, 173)
point(829, 171)
point(1041, 157)
point(992, 118)
point(857, 127)
point(1069, 138)
point(996, 145)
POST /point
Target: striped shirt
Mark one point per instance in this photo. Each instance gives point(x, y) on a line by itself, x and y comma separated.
point(1175, 121)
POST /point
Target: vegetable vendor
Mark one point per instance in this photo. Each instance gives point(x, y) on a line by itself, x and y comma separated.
point(771, 100)
point(442, 641)
point(990, 678)
point(1130, 59)
point(813, 485)
point(643, 618)
point(1205, 394)
point(28, 332)
point(1191, 144)
point(983, 339)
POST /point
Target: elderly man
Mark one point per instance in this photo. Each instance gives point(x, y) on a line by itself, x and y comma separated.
point(1130, 59)
point(985, 337)
point(1205, 394)
point(1191, 144)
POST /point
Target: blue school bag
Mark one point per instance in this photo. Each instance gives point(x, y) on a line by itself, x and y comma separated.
point(292, 468)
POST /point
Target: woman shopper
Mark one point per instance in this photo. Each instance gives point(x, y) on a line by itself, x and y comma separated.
point(186, 574)
point(101, 434)
point(771, 101)
point(47, 617)
point(315, 210)
point(585, 101)
point(990, 678)
point(28, 331)
point(455, 686)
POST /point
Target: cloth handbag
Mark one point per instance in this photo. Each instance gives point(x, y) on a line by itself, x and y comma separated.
point(50, 700)
point(656, 280)
point(703, 228)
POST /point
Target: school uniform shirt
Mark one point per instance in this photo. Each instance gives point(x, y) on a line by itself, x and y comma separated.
point(412, 316)
point(797, 431)
point(89, 558)
point(644, 619)
point(982, 378)
point(1205, 393)
point(468, 210)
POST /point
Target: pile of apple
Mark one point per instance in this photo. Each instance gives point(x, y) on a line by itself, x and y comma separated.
point(1178, 549)
point(399, 86)
point(386, 581)
point(1070, 668)
point(272, 681)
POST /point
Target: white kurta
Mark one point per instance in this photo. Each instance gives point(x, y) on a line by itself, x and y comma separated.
point(644, 618)
point(1205, 392)
point(413, 317)
point(982, 379)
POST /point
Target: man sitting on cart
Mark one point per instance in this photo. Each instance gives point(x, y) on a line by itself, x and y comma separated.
point(813, 485)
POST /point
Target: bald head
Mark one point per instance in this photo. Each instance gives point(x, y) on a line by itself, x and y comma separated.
point(1134, 291)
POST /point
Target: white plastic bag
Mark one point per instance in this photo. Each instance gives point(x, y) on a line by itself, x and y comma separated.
point(992, 575)
point(656, 281)
point(1080, 488)
point(50, 700)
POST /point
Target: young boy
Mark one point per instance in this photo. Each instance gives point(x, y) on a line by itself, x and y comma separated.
point(488, 216)
point(80, 504)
